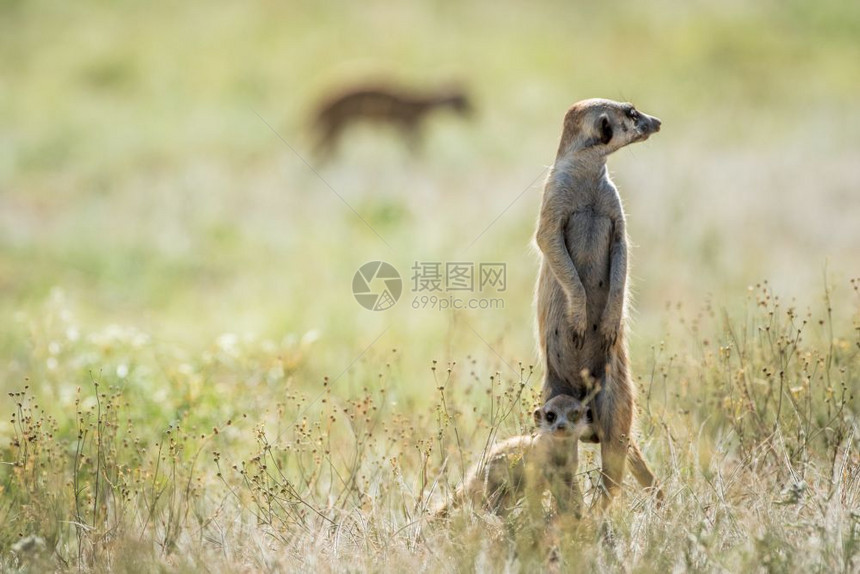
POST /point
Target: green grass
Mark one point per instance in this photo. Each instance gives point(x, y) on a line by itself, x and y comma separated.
point(191, 384)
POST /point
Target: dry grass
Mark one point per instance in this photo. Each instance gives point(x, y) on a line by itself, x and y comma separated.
point(749, 423)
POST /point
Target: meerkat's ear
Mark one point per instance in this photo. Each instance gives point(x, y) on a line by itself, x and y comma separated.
point(538, 414)
point(605, 129)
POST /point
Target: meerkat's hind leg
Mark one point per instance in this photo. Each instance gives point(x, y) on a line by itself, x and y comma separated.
point(613, 456)
point(613, 411)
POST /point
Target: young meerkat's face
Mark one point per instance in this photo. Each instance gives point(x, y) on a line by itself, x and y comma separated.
point(562, 417)
point(604, 126)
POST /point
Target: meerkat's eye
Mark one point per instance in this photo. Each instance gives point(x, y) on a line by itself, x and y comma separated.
point(550, 417)
point(632, 113)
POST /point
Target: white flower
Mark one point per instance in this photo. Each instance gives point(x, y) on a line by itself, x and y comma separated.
point(227, 343)
point(310, 337)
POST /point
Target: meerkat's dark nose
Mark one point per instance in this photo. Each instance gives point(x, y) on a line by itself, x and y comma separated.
point(655, 124)
point(561, 426)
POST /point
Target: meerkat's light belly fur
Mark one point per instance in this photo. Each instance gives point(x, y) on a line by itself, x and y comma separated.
point(588, 235)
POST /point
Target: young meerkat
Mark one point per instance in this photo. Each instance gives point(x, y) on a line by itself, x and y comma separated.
point(582, 287)
point(526, 466)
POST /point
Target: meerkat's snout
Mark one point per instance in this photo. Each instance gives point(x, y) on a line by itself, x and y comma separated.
point(647, 125)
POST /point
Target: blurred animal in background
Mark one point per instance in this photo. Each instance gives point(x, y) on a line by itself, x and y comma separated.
point(403, 108)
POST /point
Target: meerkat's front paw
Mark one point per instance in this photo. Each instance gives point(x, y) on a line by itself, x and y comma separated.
point(609, 330)
point(578, 322)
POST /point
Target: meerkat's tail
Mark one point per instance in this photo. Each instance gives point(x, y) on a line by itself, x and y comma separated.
point(445, 507)
point(642, 472)
point(470, 489)
point(442, 510)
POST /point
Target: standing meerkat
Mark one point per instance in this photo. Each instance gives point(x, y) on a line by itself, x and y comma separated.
point(582, 288)
point(526, 466)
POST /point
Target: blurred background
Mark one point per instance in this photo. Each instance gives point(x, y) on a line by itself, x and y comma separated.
point(157, 174)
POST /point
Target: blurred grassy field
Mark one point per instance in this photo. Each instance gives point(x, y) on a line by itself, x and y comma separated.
point(159, 239)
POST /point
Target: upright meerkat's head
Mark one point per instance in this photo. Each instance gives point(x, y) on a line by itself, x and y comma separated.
point(562, 416)
point(604, 126)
